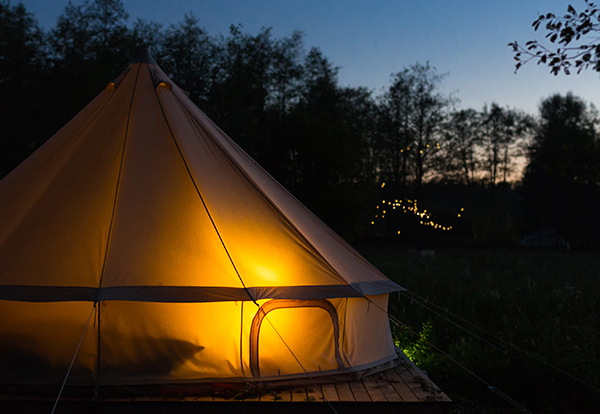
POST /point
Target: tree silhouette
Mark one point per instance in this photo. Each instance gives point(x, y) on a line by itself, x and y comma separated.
point(460, 160)
point(561, 179)
point(23, 62)
point(503, 128)
point(89, 44)
point(412, 116)
point(187, 54)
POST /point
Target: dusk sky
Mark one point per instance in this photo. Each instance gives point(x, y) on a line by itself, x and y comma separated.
point(370, 40)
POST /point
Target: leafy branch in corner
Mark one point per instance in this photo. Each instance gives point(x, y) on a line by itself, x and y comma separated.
point(577, 35)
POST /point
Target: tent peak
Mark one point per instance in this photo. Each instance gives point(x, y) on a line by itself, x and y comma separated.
point(145, 57)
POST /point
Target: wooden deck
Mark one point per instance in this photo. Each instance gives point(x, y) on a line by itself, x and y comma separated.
point(404, 388)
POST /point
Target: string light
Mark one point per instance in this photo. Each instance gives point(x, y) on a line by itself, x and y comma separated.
point(411, 207)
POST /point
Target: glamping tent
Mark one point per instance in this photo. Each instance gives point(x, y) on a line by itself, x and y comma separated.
point(143, 244)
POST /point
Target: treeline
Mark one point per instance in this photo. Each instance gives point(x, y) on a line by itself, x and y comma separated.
point(441, 174)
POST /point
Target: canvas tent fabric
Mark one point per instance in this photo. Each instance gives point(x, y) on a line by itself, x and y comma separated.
point(191, 263)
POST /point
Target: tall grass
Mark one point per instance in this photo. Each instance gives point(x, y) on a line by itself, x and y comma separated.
point(545, 303)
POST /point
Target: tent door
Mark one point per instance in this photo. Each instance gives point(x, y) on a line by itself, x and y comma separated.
point(310, 329)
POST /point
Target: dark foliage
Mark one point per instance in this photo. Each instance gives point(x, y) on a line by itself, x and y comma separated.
point(561, 180)
point(536, 310)
point(22, 59)
point(575, 34)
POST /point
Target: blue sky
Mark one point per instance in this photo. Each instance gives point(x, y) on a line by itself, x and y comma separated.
point(371, 39)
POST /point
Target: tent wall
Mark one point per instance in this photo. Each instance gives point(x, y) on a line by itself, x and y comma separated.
point(38, 341)
point(158, 343)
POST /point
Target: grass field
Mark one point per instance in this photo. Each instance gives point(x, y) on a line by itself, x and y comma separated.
point(533, 306)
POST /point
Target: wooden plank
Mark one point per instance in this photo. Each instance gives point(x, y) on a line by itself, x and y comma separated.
point(426, 384)
point(313, 394)
point(220, 399)
point(330, 392)
point(390, 393)
point(204, 398)
point(268, 397)
point(373, 389)
point(400, 386)
point(409, 380)
point(284, 396)
point(418, 385)
point(190, 398)
point(298, 394)
point(252, 397)
point(164, 398)
point(344, 391)
point(359, 391)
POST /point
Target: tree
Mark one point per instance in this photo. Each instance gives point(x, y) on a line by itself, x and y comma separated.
point(394, 136)
point(148, 35)
point(575, 34)
point(239, 91)
point(23, 60)
point(188, 55)
point(89, 44)
point(284, 83)
point(286, 73)
point(328, 145)
point(96, 32)
point(561, 179)
point(413, 114)
point(503, 128)
point(459, 160)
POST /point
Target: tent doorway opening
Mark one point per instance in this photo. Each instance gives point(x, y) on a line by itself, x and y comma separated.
point(290, 336)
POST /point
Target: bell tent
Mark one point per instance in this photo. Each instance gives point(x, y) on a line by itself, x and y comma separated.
point(143, 241)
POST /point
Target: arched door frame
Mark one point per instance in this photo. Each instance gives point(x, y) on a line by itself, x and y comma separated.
point(275, 304)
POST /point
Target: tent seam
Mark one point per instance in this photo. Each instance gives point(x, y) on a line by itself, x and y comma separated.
point(112, 218)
